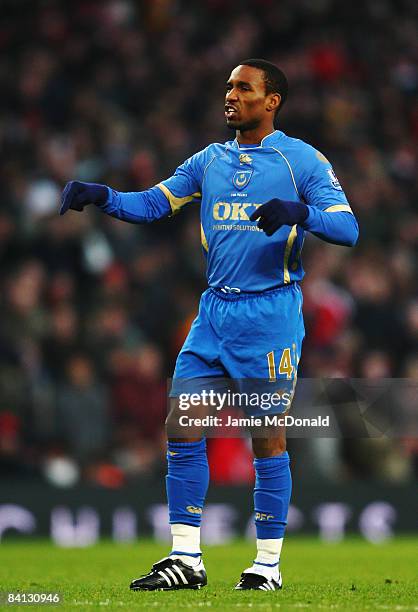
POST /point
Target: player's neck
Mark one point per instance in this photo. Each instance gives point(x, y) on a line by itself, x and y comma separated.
point(253, 136)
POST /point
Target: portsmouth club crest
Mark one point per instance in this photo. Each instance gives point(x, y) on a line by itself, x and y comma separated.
point(241, 178)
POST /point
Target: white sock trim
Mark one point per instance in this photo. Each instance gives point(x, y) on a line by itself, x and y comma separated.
point(270, 573)
point(186, 538)
point(268, 551)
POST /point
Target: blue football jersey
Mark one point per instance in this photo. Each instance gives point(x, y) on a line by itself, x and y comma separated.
point(231, 182)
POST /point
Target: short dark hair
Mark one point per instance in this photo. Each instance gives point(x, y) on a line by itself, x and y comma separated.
point(274, 78)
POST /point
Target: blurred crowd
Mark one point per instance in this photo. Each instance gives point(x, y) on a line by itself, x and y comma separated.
point(94, 311)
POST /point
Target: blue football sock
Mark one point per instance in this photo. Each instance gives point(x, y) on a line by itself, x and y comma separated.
point(273, 486)
point(187, 481)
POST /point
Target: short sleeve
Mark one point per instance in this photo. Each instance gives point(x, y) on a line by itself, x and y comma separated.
point(319, 185)
point(186, 183)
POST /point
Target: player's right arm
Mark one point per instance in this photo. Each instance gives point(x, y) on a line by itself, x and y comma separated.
point(164, 199)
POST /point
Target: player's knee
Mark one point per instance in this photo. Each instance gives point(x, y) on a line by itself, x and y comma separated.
point(268, 447)
point(176, 433)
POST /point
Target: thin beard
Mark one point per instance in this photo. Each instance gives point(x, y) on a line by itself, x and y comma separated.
point(245, 127)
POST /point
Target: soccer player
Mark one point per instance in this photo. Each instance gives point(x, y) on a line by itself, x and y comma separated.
point(260, 193)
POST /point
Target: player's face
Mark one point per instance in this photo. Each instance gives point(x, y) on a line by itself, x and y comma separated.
point(246, 100)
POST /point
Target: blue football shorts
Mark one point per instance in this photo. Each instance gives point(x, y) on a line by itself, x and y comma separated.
point(255, 339)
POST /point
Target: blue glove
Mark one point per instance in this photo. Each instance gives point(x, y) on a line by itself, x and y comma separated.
point(276, 213)
point(77, 195)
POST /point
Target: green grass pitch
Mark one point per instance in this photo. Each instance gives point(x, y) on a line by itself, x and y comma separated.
point(351, 575)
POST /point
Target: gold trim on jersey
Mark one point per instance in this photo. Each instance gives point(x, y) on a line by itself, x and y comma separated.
point(203, 239)
point(290, 168)
point(339, 208)
point(175, 202)
point(321, 157)
point(289, 244)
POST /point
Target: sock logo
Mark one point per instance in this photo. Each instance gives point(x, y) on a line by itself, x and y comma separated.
point(172, 453)
point(194, 510)
point(263, 516)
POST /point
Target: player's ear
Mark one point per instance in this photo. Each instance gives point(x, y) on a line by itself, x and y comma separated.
point(273, 102)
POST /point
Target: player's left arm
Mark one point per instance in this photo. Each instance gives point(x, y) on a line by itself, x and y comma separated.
point(329, 215)
point(322, 208)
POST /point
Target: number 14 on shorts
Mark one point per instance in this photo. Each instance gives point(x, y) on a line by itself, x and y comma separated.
point(286, 366)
